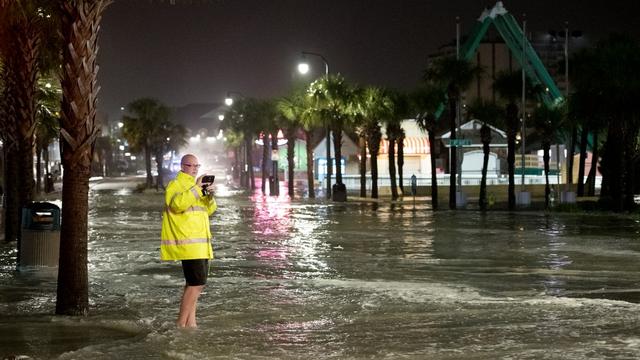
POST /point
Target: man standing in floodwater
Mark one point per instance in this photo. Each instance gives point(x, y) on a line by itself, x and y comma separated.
point(185, 233)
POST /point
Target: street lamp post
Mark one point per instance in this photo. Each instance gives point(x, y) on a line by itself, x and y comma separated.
point(303, 68)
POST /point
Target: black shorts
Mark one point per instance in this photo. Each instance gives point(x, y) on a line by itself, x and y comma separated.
point(195, 271)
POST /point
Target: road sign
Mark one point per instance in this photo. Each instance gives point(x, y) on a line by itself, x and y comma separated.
point(459, 142)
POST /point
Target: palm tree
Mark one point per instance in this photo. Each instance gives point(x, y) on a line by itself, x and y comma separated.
point(547, 121)
point(233, 142)
point(455, 75)
point(146, 117)
point(295, 108)
point(401, 110)
point(246, 116)
point(165, 138)
point(80, 23)
point(10, 154)
point(25, 28)
point(393, 131)
point(509, 87)
point(371, 104)
point(425, 102)
point(489, 114)
point(332, 96)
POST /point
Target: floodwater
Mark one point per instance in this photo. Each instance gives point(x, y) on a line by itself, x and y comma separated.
point(315, 280)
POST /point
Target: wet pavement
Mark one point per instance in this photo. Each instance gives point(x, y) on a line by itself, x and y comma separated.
point(361, 280)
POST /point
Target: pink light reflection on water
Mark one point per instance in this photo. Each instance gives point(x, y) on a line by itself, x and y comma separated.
point(272, 225)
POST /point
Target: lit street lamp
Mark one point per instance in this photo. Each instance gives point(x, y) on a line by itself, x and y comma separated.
point(303, 68)
point(229, 99)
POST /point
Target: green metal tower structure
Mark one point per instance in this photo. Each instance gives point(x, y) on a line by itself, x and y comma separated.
point(511, 32)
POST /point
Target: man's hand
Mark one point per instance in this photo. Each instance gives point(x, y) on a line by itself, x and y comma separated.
point(209, 189)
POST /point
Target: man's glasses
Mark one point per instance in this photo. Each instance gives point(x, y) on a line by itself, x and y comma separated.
point(192, 165)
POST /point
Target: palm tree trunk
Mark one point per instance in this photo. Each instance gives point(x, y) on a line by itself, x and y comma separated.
point(147, 163)
point(572, 146)
point(291, 148)
point(400, 142)
point(252, 178)
point(584, 137)
point(265, 158)
point(362, 143)
point(630, 143)
point(483, 181)
point(27, 46)
point(11, 219)
point(337, 146)
point(546, 145)
point(453, 159)
point(159, 180)
point(73, 283)
point(38, 170)
point(392, 167)
point(434, 175)
point(310, 180)
point(80, 23)
point(374, 146)
point(275, 189)
point(591, 178)
point(236, 162)
point(8, 135)
point(614, 163)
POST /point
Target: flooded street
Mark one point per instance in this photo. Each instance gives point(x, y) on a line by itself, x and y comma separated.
point(315, 280)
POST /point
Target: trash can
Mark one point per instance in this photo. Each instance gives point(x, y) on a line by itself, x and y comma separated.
point(40, 242)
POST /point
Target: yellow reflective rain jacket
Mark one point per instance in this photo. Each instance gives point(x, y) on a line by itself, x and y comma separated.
point(185, 221)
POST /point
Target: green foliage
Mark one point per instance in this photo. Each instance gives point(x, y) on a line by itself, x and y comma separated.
point(452, 74)
point(48, 111)
point(486, 111)
point(331, 98)
point(297, 109)
point(147, 126)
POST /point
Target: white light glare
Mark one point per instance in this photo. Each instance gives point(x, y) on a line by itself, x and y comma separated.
point(303, 68)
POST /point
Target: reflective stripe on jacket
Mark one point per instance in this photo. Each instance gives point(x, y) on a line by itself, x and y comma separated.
point(185, 221)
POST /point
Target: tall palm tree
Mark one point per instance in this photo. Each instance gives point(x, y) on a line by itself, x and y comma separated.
point(332, 96)
point(295, 108)
point(455, 75)
point(25, 26)
point(425, 101)
point(509, 87)
point(401, 111)
point(393, 131)
point(80, 23)
point(10, 146)
point(371, 105)
point(489, 114)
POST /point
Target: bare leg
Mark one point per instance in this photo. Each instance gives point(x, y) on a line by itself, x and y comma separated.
point(187, 317)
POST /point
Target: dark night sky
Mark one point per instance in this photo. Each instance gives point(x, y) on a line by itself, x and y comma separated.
point(196, 53)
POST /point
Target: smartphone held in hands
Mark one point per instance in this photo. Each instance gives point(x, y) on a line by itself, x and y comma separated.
point(207, 180)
